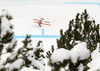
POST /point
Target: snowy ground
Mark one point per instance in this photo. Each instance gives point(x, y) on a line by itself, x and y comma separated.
point(58, 15)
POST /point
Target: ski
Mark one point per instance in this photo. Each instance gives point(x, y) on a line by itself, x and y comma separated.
point(48, 24)
point(42, 22)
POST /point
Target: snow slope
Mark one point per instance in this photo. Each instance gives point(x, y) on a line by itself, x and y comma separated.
point(58, 15)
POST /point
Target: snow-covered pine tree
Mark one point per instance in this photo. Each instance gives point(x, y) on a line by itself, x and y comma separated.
point(89, 31)
point(7, 42)
point(49, 53)
point(39, 56)
point(38, 50)
point(81, 31)
point(26, 56)
point(98, 35)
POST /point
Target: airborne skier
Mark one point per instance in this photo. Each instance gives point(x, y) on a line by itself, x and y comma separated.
point(40, 21)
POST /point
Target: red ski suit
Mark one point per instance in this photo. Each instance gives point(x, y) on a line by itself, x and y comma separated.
point(40, 22)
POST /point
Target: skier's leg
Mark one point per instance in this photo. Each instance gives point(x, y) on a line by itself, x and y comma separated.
point(39, 24)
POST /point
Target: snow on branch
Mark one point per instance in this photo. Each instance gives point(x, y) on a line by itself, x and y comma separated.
point(79, 51)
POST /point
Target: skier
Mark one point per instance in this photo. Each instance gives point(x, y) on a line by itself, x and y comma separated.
point(40, 21)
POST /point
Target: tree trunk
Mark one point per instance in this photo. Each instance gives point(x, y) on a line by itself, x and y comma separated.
point(1, 45)
point(52, 68)
point(0, 27)
point(99, 47)
point(88, 41)
point(55, 68)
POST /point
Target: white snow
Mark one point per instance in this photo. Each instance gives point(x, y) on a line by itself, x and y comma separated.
point(81, 67)
point(1, 65)
point(95, 63)
point(5, 13)
point(11, 44)
point(16, 65)
point(79, 51)
point(40, 47)
point(11, 57)
point(35, 63)
point(38, 64)
point(5, 23)
point(30, 55)
point(29, 69)
point(60, 55)
point(29, 46)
